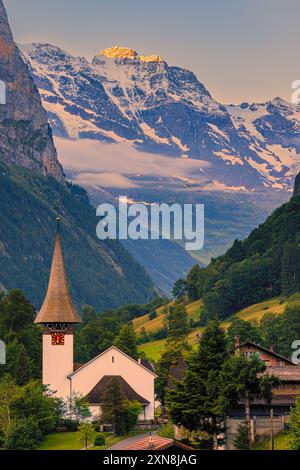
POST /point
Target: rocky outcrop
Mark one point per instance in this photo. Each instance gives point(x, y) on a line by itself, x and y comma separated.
point(25, 135)
point(297, 185)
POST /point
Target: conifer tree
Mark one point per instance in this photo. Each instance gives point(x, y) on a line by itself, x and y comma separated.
point(126, 341)
point(176, 348)
point(243, 380)
point(196, 402)
point(22, 366)
point(192, 280)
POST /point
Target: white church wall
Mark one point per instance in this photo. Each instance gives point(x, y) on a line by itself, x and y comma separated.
point(58, 364)
point(113, 362)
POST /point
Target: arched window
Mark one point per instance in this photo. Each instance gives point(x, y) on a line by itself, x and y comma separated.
point(2, 92)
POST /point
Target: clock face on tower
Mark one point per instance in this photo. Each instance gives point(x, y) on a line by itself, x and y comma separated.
point(58, 339)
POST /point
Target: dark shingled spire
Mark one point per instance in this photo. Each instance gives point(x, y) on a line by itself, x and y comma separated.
point(58, 306)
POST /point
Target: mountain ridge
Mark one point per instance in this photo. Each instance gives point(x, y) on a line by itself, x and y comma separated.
point(167, 110)
point(25, 135)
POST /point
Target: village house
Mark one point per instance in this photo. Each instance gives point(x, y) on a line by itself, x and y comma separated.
point(284, 394)
point(65, 379)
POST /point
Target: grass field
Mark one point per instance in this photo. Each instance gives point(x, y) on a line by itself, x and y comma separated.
point(71, 441)
point(61, 441)
point(281, 442)
point(151, 326)
point(253, 313)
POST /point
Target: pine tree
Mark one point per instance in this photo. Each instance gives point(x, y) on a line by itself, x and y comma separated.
point(192, 280)
point(177, 322)
point(196, 402)
point(126, 341)
point(176, 348)
point(243, 380)
point(22, 366)
point(241, 441)
point(179, 289)
point(290, 269)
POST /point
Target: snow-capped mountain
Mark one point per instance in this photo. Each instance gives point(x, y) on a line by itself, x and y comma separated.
point(141, 100)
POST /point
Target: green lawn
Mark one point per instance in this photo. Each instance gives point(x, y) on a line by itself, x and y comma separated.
point(281, 442)
point(61, 441)
point(153, 349)
point(71, 441)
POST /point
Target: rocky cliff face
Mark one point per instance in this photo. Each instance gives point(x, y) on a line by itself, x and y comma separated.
point(25, 135)
point(297, 185)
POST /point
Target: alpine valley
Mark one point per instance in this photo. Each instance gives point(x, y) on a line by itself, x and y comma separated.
point(33, 188)
point(130, 124)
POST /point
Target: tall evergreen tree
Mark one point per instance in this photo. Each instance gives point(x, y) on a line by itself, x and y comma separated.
point(180, 289)
point(126, 341)
point(195, 403)
point(177, 322)
point(192, 280)
point(243, 380)
point(22, 366)
point(176, 348)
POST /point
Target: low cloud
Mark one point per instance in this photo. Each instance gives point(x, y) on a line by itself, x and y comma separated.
point(121, 165)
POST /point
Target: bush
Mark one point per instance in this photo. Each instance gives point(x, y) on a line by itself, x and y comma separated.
point(71, 425)
point(241, 441)
point(23, 435)
point(99, 440)
point(152, 315)
point(167, 431)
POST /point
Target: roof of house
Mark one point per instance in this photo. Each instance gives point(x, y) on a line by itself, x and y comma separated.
point(262, 348)
point(102, 354)
point(98, 395)
point(277, 400)
point(152, 443)
point(285, 373)
point(58, 306)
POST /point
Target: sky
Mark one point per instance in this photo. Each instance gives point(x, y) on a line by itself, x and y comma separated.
point(242, 50)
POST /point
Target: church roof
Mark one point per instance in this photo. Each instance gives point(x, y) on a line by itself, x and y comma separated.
point(98, 395)
point(80, 367)
point(58, 306)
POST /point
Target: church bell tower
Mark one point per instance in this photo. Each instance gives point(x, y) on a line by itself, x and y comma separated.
point(57, 316)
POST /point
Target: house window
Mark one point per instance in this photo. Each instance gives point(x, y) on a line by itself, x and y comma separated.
point(2, 92)
point(113, 359)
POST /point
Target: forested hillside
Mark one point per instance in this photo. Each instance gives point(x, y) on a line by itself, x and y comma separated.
point(101, 273)
point(263, 266)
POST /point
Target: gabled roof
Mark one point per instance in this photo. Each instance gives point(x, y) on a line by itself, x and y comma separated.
point(112, 348)
point(98, 395)
point(262, 348)
point(286, 373)
point(153, 443)
point(58, 306)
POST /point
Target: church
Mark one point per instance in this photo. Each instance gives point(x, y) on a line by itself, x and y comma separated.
point(65, 379)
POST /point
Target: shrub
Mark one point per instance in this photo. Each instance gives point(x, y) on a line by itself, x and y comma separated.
point(99, 440)
point(241, 441)
point(71, 425)
point(23, 435)
point(152, 315)
point(167, 431)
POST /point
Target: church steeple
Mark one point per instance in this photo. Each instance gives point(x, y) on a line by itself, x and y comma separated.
point(58, 307)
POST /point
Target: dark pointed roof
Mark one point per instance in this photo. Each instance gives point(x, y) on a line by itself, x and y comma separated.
point(262, 348)
point(58, 306)
point(98, 395)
